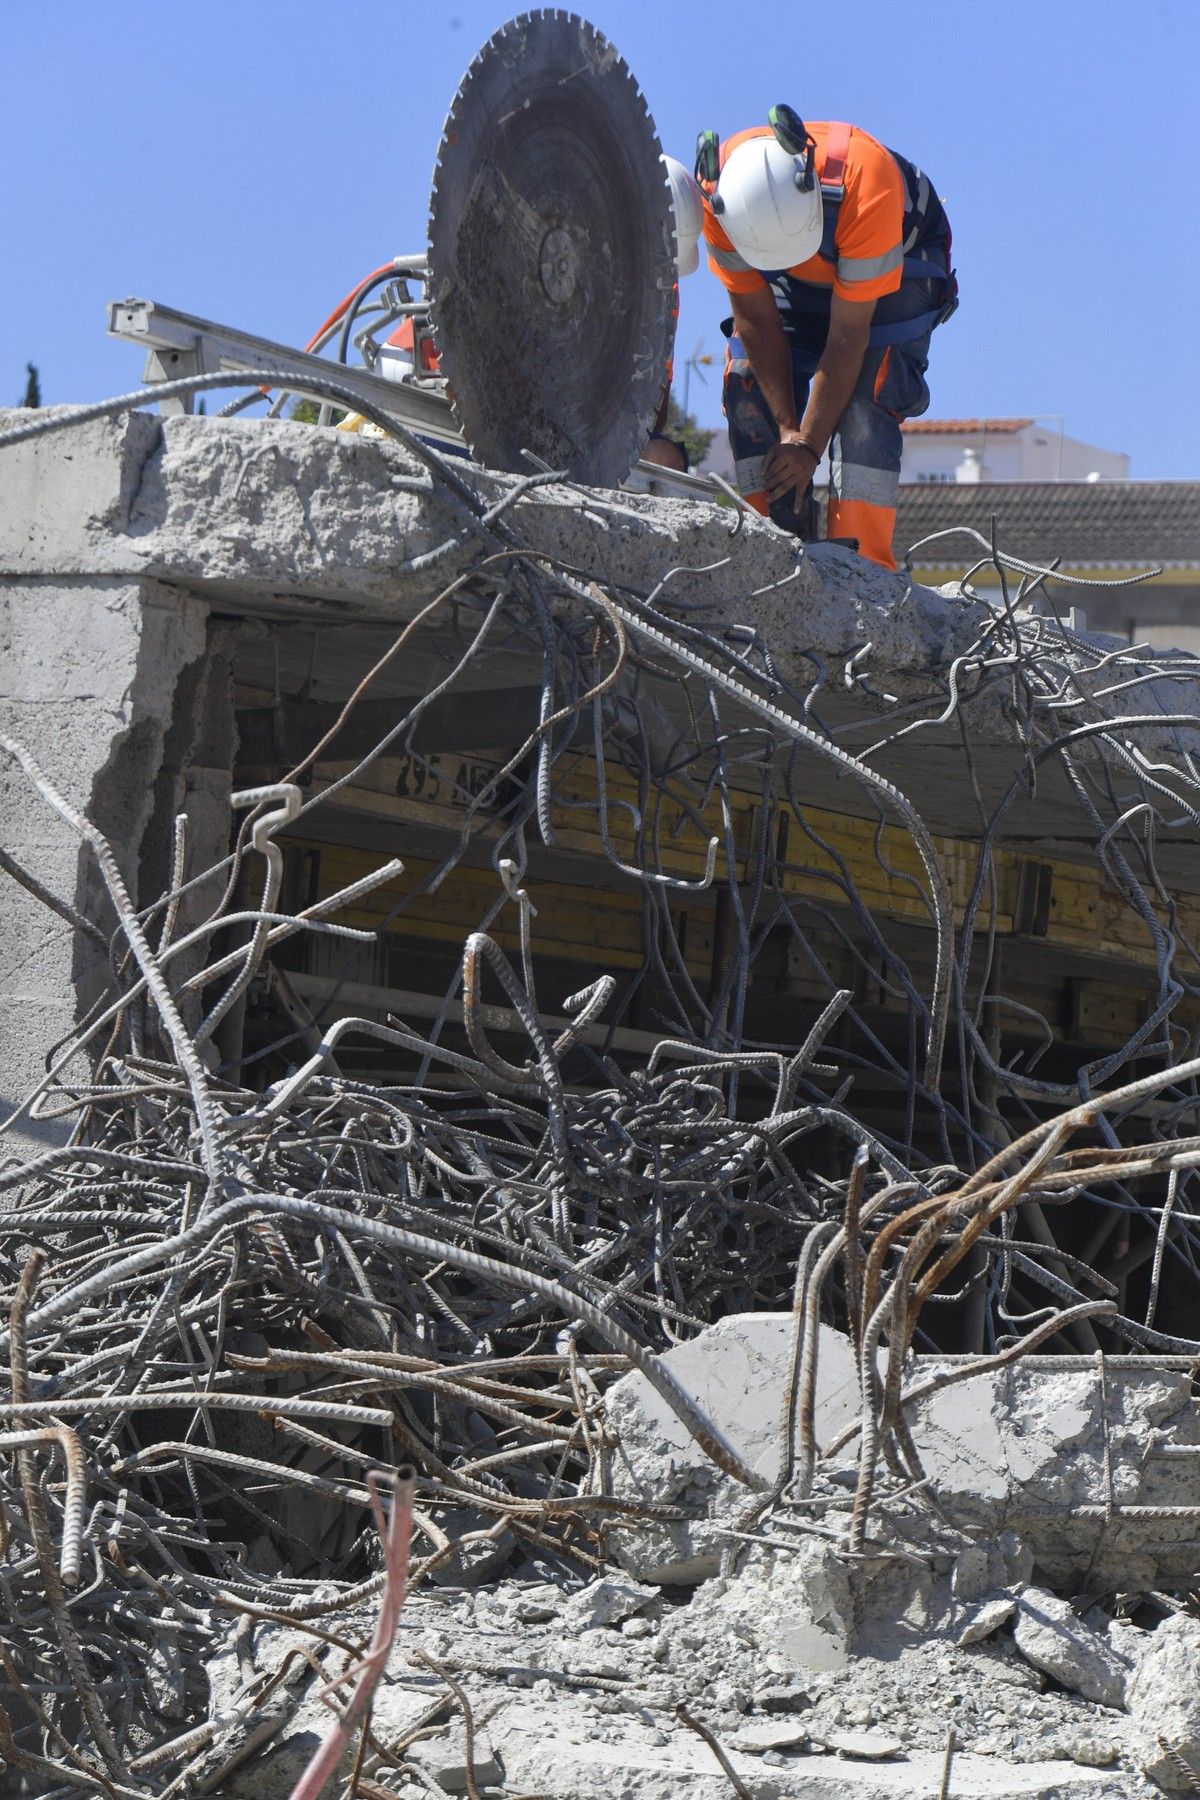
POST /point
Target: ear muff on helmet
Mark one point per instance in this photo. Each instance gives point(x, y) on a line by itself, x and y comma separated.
point(708, 162)
point(793, 135)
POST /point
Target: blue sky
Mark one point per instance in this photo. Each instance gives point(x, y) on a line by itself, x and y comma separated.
point(249, 161)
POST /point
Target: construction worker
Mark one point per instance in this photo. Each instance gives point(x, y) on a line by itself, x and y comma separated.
point(835, 253)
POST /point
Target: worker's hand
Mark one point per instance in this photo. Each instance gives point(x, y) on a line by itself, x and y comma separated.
point(788, 466)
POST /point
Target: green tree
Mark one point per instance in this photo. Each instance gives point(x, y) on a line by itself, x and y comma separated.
point(683, 425)
point(307, 412)
point(33, 386)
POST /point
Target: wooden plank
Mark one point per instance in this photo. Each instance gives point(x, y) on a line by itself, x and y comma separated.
point(406, 1004)
point(598, 927)
point(1085, 915)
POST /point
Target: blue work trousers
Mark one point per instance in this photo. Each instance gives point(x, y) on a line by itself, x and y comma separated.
point(865, 448)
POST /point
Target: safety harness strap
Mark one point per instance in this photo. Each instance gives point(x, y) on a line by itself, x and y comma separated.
point(837, 148)
point(933, 265)
point(905, 330)
point(833, 187)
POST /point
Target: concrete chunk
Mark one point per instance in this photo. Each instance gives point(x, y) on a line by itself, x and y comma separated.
point(1050, 1634)
point(445, 1758)
point(735, 1370)
point(870, 1746)
point(1015, 1456)
point(608, 1601)
point(970, 1578)
point(986, 1619)
point(1164, 1701)
point(757, 1739)
point(797, 1615)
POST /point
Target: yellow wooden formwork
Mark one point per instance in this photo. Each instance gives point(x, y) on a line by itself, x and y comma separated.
point(1066, 904)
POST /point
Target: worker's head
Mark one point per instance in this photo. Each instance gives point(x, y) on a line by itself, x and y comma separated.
point(688, 206)
point(772, 217)
point(668, 453)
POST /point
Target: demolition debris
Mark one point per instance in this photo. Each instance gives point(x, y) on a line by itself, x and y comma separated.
point(794, 1331)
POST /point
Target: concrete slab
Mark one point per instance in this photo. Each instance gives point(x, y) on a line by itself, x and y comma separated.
point(1016, 1450)
point(542, 1757)
point(285, 520)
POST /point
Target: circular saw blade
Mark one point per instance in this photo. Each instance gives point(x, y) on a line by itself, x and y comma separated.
point(552, 253)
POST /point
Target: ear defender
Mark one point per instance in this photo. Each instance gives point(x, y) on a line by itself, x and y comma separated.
point(708, 164)
point(792, 135)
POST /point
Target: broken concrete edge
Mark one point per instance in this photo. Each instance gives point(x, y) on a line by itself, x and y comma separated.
point(122, 691)
point(271, 513)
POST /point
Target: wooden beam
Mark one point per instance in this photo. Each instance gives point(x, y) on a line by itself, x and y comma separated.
point(405, 1002)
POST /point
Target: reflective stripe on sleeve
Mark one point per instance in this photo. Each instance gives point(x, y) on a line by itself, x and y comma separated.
point(869, 268)
point(727, 259)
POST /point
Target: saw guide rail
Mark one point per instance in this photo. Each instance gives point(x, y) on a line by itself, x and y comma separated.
point(179, 344)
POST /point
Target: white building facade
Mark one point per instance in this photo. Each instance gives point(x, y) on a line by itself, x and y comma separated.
point(958, 450)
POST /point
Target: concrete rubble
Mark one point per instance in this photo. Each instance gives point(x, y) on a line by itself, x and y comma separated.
point(1049, 1635)
point(820, 1674)
point(1017, 1458)
point(1163, 1696)
point(576, 1710)
point(545, 1254)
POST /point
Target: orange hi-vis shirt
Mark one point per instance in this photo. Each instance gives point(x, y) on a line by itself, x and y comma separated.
point(869, 236)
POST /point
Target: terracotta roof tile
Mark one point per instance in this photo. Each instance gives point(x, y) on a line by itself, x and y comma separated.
point(964, 427)
point(1124, 524)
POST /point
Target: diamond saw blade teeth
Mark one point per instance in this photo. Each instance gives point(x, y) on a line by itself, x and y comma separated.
point(552, 253)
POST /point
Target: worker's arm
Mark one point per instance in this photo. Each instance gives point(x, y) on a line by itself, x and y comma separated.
point(790, 464)
point(757, 323)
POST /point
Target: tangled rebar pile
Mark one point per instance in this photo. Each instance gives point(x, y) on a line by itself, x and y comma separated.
point(226, 1302)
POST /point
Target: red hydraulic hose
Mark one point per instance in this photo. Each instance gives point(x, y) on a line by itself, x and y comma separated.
point(344, 305)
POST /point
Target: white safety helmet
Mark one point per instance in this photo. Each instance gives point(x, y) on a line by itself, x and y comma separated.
point(772, 220)
point(688, 206)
